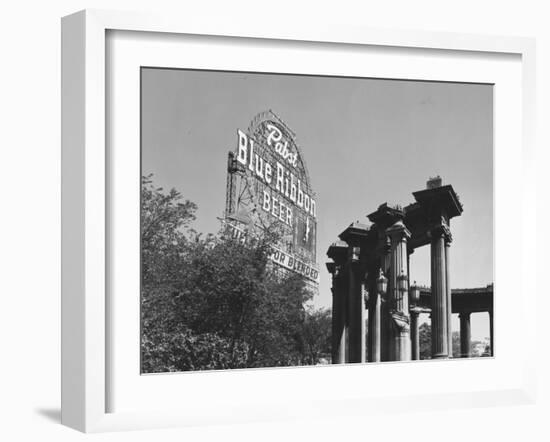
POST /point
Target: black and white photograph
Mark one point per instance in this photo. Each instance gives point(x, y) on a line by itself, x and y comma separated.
point(286, 221)
point(301, 220)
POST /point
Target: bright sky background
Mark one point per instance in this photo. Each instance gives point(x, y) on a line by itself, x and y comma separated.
point(365, 142)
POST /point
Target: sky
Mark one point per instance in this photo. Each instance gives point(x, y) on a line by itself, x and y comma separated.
point(365, 142)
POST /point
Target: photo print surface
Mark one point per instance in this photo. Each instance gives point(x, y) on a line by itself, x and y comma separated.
point(294, 220)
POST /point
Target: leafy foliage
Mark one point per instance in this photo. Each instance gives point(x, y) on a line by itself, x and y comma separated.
point(215, 302)
point(425, 338)
point(317, 335)
point(456, 345)
point(165, 220)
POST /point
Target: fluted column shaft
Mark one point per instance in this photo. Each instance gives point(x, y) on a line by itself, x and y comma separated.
point(363, 333)
point(415, 337)
point(375, 310)
point(449, 297)
point(440, 341)
point(355, 308)
point(399, 300)
point(465, 335)
point(385, 322)
point(338, 318)
point(336, 326)
point(491, 332)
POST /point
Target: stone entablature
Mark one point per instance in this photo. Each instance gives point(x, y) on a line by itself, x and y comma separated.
point(473, 300)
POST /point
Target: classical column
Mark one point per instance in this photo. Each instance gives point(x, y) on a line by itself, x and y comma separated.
point(355, 235)
point(338, 341)
point(342, 355)
point(491, 332)
point(363, 324)
point(465, 334)
point(355, 307)
point(336, 326)
point(440, 340)
point(385, 330)
point(398, 291)
point(441, 204)
point(375, 304)
point(415, 338)
point(338, 252)
point(448, 240)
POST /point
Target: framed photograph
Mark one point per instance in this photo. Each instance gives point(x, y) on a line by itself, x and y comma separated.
point(266, 222)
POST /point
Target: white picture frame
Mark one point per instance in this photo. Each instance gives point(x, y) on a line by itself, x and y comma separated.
point(86, 204)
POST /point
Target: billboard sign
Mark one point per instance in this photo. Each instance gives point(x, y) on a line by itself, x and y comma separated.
point(268, 183)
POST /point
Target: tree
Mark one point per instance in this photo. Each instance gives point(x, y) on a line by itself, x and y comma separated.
point(317, 336)
point(213, 302)
point(230, 288)
point(425, 338)
point(165, 220)
point(476, 351)
point(456, 345)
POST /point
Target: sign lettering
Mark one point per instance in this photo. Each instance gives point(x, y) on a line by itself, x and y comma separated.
point(285, 183)
point(268, 183)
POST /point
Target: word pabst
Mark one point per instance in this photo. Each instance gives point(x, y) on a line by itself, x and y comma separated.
point(280, 178)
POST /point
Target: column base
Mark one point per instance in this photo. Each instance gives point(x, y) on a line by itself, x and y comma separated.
point(440, 356)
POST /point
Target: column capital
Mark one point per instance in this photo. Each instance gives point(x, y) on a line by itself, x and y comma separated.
point(366, 296)
point(386, 244)
point(398, 230)
point(441, 231)
point(464, 314)
point(401, 321)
